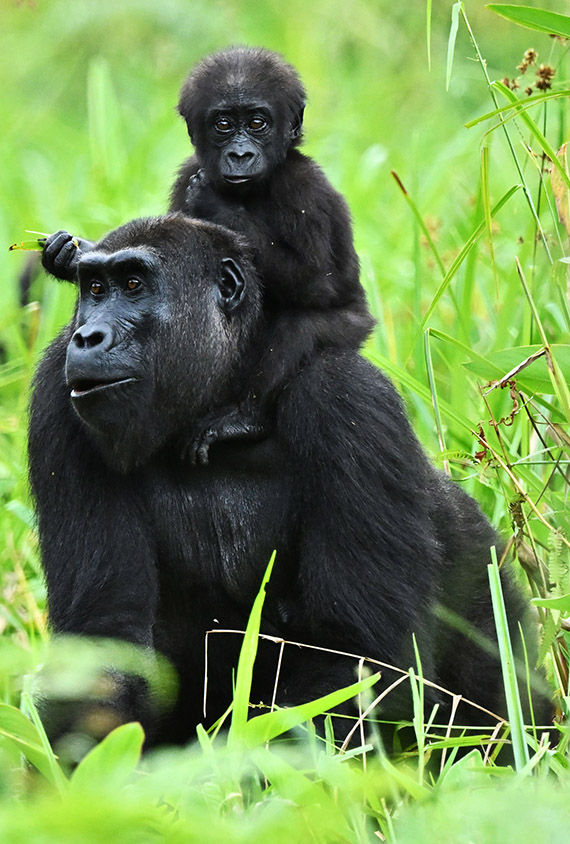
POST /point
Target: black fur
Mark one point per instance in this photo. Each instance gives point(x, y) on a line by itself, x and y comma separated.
point(140, 544)
point(249, 176)
point(298, 225)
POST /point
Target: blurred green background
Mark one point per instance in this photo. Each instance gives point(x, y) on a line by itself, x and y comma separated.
point(90, 138)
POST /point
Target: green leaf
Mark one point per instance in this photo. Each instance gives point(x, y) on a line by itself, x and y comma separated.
point(112, 762)
point(562, 603)
point(534, 378)
point(20, 734)
point(266, 727)
point(539, 19)
point(28, 245)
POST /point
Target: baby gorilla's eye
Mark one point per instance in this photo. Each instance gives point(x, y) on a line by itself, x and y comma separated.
point(96, 288)
point(133, 284)
point(222, 124)
point(257, 124)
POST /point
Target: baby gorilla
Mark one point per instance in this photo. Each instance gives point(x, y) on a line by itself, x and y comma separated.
point(244, 111)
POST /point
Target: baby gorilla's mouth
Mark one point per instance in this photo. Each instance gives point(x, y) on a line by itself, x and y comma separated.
point(87, 386)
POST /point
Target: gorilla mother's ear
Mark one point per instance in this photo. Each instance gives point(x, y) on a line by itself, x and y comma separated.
point(231, 285)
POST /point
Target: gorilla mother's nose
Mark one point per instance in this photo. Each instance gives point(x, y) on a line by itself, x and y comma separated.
point(97, 335)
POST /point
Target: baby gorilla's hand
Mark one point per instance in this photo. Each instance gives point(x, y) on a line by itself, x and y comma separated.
point(61, 254)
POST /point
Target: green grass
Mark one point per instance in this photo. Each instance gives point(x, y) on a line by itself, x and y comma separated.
point(465, 262)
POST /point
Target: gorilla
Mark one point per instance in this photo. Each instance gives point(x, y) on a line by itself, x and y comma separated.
point(141, 544)
point(244, 111)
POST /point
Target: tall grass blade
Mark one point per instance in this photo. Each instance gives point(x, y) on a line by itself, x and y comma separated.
point(420, 222)
point(526, 190)
point(539, 19)
point(455, 9)
point(486, 200)
point(558, 381)
point(514, 709)
point(434, 398)
point(418, 720)
point(519, 105)
point(428, 32)
point(473, 238)
point(245, 664)
point(534, 130)
point(405, 379)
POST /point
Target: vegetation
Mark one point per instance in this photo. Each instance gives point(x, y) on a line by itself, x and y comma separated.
point(465, 256)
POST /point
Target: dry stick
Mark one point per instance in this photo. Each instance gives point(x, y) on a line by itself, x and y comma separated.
point(456, 701)
point(515, 371)
point(519, 488)
point(277, 673)
point(205, 695)
point(368, 710)
point(278, 640)
point(360, 715)
point(492, 740)
point(556, 460)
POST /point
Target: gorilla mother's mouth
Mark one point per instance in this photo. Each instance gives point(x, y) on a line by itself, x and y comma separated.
point(237, 180)
point(86, 386)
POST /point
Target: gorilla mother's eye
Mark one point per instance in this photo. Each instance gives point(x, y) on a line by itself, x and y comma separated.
point(257, 124)
point(96, 288)
point(133, 284)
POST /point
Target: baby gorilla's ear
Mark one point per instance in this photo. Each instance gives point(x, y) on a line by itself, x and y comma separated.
point(297, 125)
point(231, 285)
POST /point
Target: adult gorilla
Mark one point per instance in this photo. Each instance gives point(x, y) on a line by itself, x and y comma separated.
point(140, 544)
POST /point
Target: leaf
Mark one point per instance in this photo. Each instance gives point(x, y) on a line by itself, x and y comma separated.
point(562, 603)
point(560, 188)
point(539, 19)
point(28, 245)
point(19, 733)
point(112, 762)
point(266, 727)
point(534, 378)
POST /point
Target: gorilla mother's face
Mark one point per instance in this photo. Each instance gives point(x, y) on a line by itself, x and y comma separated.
point(154, 343)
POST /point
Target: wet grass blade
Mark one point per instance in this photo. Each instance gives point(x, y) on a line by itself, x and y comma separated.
point(540, 19)
point(514, 709)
